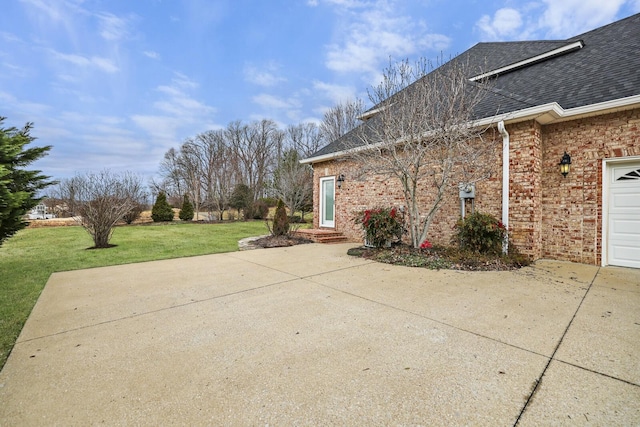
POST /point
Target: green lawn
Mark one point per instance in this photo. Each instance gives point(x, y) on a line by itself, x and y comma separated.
point(28, 259)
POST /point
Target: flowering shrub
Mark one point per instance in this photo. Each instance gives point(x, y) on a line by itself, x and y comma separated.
point(480, 233)
point(426, 245)
point(380, 225)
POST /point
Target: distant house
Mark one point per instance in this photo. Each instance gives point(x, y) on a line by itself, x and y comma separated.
point(40, 211)
point(580, 96)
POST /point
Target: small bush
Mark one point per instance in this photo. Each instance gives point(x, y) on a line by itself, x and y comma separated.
point(260, 209)
point(270, 201)
point(480, 233)
point(296, 219)
point(280, 220)
point(380, 225)
point(134, 213)
point(162, 210)
point(241, 199)
point(186, 211)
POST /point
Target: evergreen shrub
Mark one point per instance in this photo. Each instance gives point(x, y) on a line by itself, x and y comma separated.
point(260, 209)
point(280, 220)
point(186, 211)
point(481, 233)
point(162, 210)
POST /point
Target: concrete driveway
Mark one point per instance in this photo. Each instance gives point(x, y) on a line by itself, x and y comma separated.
point(310, 336)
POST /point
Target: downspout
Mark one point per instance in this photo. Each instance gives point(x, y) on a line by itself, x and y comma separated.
point(505, 183)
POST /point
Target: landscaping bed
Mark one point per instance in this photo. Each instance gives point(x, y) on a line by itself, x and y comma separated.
point(441, 257)
point(280, 241)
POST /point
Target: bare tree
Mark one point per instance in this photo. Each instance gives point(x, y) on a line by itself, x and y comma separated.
point(100, 200)
point(172, 183)
point(305, 138)
point(190, 165)
point(293, 181)
point(218, 171)
point(340, 119)
point(256, 147)
point(423, 135)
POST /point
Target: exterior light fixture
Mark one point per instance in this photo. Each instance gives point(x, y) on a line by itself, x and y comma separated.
point(340, 180)
point(565, 163)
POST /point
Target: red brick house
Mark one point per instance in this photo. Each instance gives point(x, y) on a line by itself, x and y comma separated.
point(580, 96)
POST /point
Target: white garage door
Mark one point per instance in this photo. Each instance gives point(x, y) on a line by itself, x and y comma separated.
point(624, 215)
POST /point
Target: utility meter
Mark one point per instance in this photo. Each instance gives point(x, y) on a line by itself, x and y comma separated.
point(467, 191)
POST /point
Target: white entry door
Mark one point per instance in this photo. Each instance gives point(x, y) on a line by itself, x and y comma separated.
point(623, 245)
point(327, 202)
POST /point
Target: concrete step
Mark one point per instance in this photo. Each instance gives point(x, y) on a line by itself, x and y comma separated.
point(322, 236)
point(332, 239)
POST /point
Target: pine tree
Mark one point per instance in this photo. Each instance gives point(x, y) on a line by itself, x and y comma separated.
point(161, 209)
point(18, 187)
point(186, 211)
point(241, 199)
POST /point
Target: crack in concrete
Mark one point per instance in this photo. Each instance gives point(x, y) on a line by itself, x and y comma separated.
point(538, 381)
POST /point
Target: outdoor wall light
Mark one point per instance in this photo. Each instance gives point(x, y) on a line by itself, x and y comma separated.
point(565, 164)
point(340, 180)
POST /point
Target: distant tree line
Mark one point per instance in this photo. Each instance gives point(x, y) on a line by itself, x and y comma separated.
point(242, 165)
point(238, 167)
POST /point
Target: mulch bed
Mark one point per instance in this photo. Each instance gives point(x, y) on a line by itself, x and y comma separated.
point(280, 241)
point(441, 257)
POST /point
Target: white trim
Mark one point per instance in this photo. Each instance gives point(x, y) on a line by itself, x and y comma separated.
point(543, 114)
point(606, 182)
point(550, 54)
point(331, 224)
point(368, 114)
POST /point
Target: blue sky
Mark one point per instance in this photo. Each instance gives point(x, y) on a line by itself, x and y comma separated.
point(116, 83)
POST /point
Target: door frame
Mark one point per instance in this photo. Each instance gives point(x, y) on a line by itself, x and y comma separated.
point(322, 221)
point(607, 165)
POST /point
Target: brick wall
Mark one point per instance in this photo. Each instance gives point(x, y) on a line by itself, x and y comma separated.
point(358, 193)
point(572, 206)
point(525, 186)
point(549, 216)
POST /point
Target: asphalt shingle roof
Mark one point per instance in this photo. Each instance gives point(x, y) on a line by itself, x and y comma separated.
point(605, 69)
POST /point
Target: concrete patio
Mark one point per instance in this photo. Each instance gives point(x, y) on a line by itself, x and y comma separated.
point(308, 335)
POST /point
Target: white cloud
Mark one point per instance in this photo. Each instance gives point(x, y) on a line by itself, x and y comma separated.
point(336, 93)
point(151, 54)
point(101, 63)
point(568, 18)
point(550, 19)
point(58, 11)
point(182, 81)
point(375, 31)
point(505, 23)
point(51, 16)
point(16, 71)
point(112, 27)
point(273, 102)
point(24, 108)
point(266, 75)
point(104, 64)
point(9, 37)
point(177, 113)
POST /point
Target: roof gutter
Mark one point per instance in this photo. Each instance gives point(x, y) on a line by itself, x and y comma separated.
point(543, 114)
point(505, 184)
